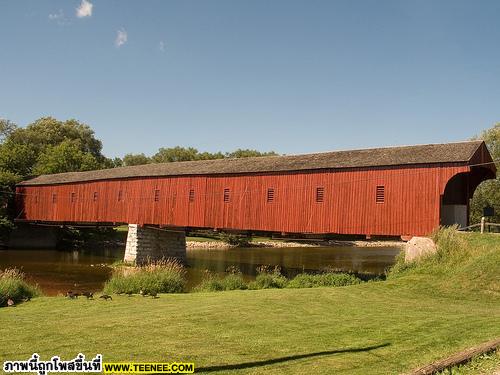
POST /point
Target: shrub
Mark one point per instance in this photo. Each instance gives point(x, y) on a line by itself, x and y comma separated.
point(268, 279)
point(210, 283)
point(233, 281)
point(235, 240)
point(14, 286)
point(331, 279)
point(451, 245)
point(452, 249)
point(167, 276)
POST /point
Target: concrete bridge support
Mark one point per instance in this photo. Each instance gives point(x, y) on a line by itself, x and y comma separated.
point(146, 244)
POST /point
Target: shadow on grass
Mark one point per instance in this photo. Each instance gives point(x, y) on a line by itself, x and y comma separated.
point(239, 366)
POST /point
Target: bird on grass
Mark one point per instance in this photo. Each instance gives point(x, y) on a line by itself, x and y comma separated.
point(106, 297)
point(143, 293)
point(153, 294)
point(72, 295)
point(10, 301)
point(89, 295)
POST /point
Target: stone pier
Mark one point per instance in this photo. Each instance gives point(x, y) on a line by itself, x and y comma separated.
point(151, 244)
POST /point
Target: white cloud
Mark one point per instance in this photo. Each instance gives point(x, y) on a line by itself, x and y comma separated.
point(84, 9)
point(56, 16)
point(59, 17)
point(121, 38)
point(161, 46)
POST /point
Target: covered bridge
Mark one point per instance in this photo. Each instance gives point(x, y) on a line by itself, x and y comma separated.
point(394, 191)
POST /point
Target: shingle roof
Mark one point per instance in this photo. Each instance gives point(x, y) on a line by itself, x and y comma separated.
point(375, 157)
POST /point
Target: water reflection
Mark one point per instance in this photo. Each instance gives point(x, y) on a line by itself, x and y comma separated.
point(58, 271)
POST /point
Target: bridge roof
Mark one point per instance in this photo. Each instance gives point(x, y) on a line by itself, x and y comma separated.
point(459, 152)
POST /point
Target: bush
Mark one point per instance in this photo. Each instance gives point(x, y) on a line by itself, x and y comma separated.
point(235, 240)
point(451, 245)
point(452, 249)
point(331, 279)
point(166, 276)
point(210, 283)
point(13, 286)
point(268, 279)
point(233, 281)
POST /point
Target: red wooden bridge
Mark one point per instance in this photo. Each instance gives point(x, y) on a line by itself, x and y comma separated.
point(394, 191)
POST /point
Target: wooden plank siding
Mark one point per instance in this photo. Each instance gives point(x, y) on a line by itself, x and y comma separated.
point(411, 200)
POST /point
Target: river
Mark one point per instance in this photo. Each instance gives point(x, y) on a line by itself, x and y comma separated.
point(57, 271)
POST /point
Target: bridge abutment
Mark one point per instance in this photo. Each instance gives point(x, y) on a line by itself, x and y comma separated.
point(146, 245)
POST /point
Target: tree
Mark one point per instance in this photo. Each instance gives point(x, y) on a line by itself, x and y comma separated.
point(115, 162)
point(33, 149)
point(6, 128)
point(248, 153)
point(8, 180)
point(166, 155)
point(135, 159)
point(45, 146)
point(488, 192)
point(65, 157)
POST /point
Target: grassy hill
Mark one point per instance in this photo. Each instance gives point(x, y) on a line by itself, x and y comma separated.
point(447, 302)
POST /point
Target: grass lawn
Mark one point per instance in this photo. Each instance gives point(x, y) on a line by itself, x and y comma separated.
point(372, 328)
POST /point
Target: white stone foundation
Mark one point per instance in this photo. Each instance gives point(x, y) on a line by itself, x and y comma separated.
point(146, 245)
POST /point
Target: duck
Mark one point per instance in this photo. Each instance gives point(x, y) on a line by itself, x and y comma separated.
point(89, 295)
point(10, 302)
point(106, 297)
point(71, 295)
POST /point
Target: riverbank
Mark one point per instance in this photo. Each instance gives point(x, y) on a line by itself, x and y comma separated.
point(419, 315)
point(192, 243)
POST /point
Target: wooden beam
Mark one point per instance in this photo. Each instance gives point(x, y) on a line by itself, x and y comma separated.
point(457, 359)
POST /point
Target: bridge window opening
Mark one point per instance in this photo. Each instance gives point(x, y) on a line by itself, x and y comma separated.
point(270, 195)
point(320, 194)
point(157, 195)
point(120, 195)
point(73, 197)
point(380, 194)
point(54, 197)
point(191, 196)
point(95, 196)
point(226, 195)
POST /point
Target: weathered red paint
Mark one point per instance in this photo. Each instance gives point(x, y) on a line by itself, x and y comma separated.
point(411, 205)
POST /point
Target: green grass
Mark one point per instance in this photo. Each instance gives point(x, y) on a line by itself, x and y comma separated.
point(212, 283)
point(331, 279)
point(413, 318)
point(14, 287)
point(162, 277)
point(272, 279)
point(268, 278)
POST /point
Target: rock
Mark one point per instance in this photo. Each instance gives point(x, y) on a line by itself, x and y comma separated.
point(418, 247)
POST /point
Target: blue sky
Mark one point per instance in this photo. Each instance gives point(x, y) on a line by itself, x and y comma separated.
point(289, 76)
